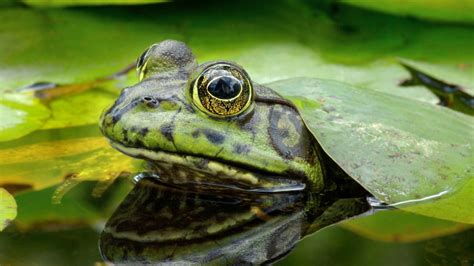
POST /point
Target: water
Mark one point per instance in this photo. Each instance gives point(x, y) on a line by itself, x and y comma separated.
point(151, 222)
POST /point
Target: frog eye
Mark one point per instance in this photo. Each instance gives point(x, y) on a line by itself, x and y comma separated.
point(222, 89)
point(141, 63)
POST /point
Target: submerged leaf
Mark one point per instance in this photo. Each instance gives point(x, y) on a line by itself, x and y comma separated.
point(400, 150)
point(402, 226)
point(79, 206)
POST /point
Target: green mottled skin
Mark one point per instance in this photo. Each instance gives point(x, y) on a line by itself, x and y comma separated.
point(268, 145)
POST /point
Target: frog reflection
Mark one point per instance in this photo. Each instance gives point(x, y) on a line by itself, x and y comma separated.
point(157, 223)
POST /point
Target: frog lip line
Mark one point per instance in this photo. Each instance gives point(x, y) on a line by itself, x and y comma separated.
point(226, 170)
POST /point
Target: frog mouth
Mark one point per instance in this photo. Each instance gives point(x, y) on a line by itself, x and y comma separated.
point(187, 170)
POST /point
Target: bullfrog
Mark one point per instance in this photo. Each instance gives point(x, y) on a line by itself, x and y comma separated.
point(210, 125)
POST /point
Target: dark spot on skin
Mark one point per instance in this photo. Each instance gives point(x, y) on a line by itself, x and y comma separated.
point(195, 133)
point(167, 131)
point(144, 131)
point(284, 133)
point(125, 135)
point(242, 149)
point(277, 135)
point(213, 136)
point(250, 123)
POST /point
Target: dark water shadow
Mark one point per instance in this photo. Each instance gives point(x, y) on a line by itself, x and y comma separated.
point(157, 223)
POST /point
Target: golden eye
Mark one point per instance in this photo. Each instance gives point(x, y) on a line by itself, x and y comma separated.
point(222, 89)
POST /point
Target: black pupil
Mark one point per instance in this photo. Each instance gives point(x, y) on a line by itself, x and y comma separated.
point(224, 87)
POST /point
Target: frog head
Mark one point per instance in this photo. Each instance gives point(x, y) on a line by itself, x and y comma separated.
point(210, 126)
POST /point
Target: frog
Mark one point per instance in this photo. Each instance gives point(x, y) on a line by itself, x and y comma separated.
point(210, 125)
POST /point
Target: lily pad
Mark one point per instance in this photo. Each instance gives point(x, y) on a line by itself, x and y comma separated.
point(79, 109)
point(68, 156)
point(7, 208)
point(20, 115)
point(373, 137)
point(455, 207)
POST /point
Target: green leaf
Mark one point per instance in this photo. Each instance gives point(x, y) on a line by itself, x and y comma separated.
point(399, 149)
point(288, 39)
point(20, 115)
point(79, 109)
point(7, 208)
point(443, 10)
point(68, 156)
point(455, 207)
point(402, 226)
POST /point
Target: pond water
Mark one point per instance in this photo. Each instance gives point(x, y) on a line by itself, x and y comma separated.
point(154, 223)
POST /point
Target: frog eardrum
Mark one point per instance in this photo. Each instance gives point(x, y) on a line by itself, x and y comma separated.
point(222, 89)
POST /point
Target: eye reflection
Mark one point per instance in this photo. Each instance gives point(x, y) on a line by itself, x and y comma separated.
point(226, 87)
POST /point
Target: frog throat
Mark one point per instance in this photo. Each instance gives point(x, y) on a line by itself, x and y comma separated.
point(209, 174)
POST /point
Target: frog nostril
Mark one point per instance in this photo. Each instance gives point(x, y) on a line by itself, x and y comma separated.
point(150, 101)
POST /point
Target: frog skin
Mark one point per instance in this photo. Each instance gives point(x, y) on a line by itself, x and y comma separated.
point(210, 126)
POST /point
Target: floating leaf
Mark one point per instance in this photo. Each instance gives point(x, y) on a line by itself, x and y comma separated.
point(456, 207)
point(20, 115)
point(400, 150)
point(7, 208)
point(79, 109)
point(49, 157)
